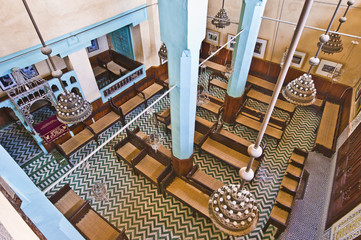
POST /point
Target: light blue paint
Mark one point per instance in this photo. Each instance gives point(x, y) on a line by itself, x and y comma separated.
point(250, 21)
point(73, 41)
point(66, 77)
point(135, 80)
point(122, 42)
point(183, 25)
point(34, 204)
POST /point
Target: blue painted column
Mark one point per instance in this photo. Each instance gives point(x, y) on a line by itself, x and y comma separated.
point(35, 205)
point(183, 26)
point(250, 21)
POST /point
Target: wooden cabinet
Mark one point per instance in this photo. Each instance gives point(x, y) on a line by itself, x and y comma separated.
point(346, 191)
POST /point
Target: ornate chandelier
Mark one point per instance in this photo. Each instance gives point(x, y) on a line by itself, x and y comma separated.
point(295, 91)
point(221, 20)
point(334, 45)
point(233, 210)
point(71, 108)
point(300, 91)
point(163, 52)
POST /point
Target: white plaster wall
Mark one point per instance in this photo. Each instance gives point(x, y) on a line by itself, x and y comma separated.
point(54, 18)
point(83, 69)
point(103, 46)
point(150, 36)
point(13, 222)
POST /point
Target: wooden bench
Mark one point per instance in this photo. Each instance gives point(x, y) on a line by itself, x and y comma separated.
point(274, 121)
point(129, 147)
point(261, 84)
point(204, 180)
point(229, 148)
point(66, 201)
point(213, 81)
point(91, 225)
point(214, 66)
point(215, 105)
point(279, 218)
point(76, 142)
point(299, 156)
point(203, 128)
point(283, 205)
point(185, 192)
point(163, 117)
point(267, 88)
point(131, 104)
point(255, 122)
point(280, 104)
point(327, 130)
point(106, 121)
point(154, 88)
point(152, 164)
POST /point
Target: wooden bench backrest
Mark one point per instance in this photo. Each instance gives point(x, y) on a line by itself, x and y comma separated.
point(229, 142)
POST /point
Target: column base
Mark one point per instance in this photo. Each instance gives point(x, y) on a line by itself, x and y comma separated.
point(182, 166)
point(231, 108)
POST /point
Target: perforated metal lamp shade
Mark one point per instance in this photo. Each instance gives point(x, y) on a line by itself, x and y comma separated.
point(163, 52)
point(72, 108)
point(334, 45)
point(221, 20)
point(300, 91)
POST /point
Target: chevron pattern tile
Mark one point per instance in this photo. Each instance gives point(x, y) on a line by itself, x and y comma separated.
point(18, 142)
point(134, 202)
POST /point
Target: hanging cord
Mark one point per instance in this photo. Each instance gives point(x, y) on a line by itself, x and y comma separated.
point(205, 60)
point(321, 43)
point(45, 49)
point(275, 39)
point(343, 19)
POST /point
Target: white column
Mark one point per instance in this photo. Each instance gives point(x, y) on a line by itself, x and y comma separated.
point(84, 71)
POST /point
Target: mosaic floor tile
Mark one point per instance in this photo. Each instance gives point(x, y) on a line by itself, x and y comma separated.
point(135, 204)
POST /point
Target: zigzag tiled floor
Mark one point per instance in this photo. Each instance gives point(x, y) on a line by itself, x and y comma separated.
point(134, 202)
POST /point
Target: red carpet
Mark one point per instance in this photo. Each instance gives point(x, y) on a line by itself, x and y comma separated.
point(51, 129)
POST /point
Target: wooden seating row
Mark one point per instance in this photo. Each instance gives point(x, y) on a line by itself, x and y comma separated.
point(140, 98)
point(90, 132)
point(89, 223)
point(229, 148)
point(280, 104)
point(135, 151)
point(215, 105)
point(164, 118)
point(327, 130)
point(185, 192)
point(204, 180)
point(79, 140)
point(253, 119)
point(203, 128)
point(283, 205)
point(194, 190)
point(213, 80)
point(214, 66)
point(267, 87)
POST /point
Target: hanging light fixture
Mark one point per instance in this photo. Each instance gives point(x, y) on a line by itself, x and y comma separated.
point(71, 108)
point(233, 210)
point(163, 53)
point(221, 20)
point(302, 91)
point(334, 45)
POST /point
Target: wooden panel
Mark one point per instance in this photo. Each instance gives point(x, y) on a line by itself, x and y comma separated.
point(222, 57)
point(347, 181)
